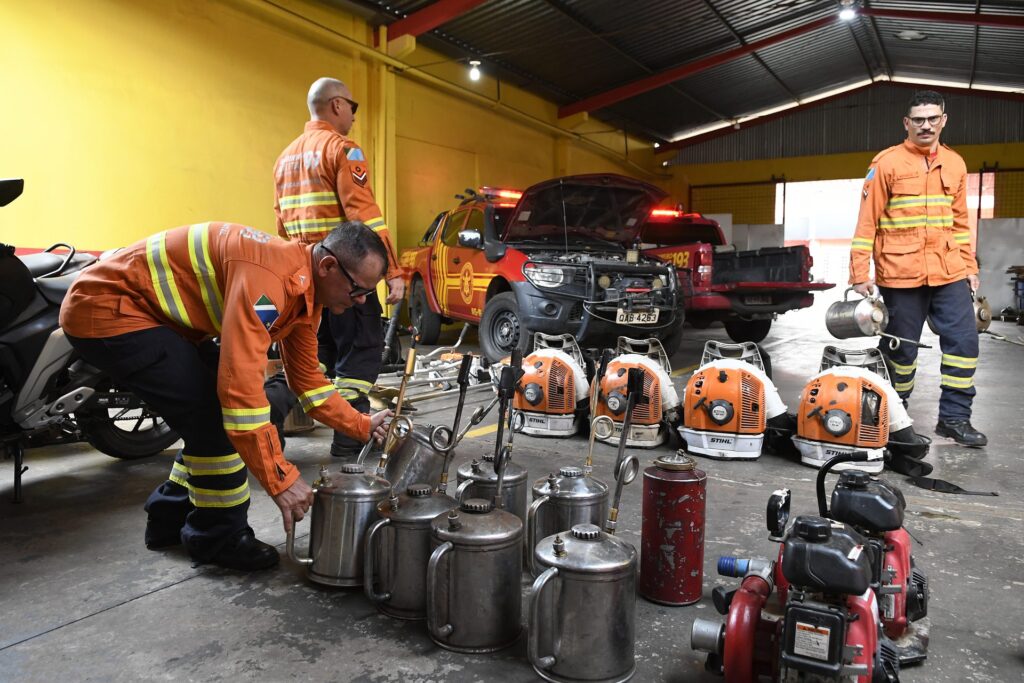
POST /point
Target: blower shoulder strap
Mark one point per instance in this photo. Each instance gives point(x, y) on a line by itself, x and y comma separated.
point(916, 470)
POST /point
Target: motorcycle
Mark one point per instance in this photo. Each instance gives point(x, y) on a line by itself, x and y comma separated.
point(48, 395)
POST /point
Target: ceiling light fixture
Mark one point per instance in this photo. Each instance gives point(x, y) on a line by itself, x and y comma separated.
point(657, 145)
point(910, 34)
point(848, 11)
point(474, 69)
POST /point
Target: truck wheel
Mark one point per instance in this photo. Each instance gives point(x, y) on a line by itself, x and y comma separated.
point(426, 322)
point(671, 343)
point(747, 330)
point(501, 329)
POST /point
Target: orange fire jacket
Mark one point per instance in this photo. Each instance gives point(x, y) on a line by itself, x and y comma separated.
point(913, 220)
point(321, 179)
point(242, 285)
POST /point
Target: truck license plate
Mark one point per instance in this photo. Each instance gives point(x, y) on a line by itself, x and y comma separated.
point(758, 299)
point(637, 317)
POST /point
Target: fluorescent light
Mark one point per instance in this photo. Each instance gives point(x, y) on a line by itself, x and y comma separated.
point(847, 14)
point(718, 125)
point(836, 91)
point(474, 70)
point(963, 85)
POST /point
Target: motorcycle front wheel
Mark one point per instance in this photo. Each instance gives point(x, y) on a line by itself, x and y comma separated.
point(127, 433)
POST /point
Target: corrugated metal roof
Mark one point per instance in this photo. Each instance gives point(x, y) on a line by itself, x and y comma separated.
point(571, 50)
point(867, 120)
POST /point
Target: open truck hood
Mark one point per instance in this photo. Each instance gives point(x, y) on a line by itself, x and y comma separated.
point(582, 209)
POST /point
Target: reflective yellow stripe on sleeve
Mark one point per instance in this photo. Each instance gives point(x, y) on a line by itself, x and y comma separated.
point(903, 386)
point(863, 244)
point(202, 265)
point(167, 293)
point(245, 419)
point(962, 237)
point(315, 397)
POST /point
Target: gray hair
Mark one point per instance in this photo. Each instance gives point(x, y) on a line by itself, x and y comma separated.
point(322, 92)
point(353, 241)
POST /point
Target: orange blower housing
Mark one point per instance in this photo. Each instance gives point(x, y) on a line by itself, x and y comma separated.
point(724, 413)
point(647, 429)
point(552, 393)
point(842, 410)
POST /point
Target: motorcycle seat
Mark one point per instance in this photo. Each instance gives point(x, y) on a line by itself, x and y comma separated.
point(53, 289)
point(44, 262)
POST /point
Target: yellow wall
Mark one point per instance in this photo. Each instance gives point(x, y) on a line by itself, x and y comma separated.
point(126, 117)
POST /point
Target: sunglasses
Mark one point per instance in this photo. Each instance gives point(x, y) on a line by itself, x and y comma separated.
point(351, 103)
point(356, 291)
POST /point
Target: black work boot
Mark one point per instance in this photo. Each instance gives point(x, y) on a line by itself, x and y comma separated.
point(962, 432)
point(245, 553)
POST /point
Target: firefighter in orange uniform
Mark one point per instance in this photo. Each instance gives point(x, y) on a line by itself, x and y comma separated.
point(913, 223)
point(148, 316)
point(321, 178)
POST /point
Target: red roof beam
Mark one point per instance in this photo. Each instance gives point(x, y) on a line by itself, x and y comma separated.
point(995, 20)
point(430, 17)
point(658, 80)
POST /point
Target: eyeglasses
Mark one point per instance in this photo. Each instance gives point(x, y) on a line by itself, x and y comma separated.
point(918, 121)
point(356, 290)
point(351, 103)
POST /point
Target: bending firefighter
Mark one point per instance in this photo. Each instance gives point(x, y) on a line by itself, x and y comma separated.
point(321, 179)
point(913, 224)
point(148, 316)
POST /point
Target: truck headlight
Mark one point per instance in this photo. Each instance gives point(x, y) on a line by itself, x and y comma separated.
point(544, 276)
point(658, 282)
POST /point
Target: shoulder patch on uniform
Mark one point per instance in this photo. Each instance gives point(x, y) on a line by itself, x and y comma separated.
point(354, 154)
point(359, 174)
point(871, 173)
point(885, 151)
point(266, 311)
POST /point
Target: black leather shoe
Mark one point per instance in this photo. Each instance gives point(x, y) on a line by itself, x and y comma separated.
point(159, 535)
point(246, 553)
point(962, 432)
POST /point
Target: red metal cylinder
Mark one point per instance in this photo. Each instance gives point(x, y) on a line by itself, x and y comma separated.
point(672, 539)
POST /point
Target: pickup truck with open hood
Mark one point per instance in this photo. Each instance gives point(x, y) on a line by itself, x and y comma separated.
point(560, 257)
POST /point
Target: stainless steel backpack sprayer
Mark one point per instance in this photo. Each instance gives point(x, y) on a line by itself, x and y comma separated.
point(397, 547)
point(586, 631)
point(571, 497)
point(477, 551)
point(865, 318)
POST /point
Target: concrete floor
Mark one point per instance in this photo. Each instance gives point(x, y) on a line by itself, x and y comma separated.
point(84, 600)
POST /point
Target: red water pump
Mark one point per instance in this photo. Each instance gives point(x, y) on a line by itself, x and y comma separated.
point(823, 623)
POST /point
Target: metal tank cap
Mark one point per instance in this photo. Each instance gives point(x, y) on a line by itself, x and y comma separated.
point(677, 462)
point(352, 468)
point(476, 505)
point(586, 532)
point(570, 471)
point(418, 490)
